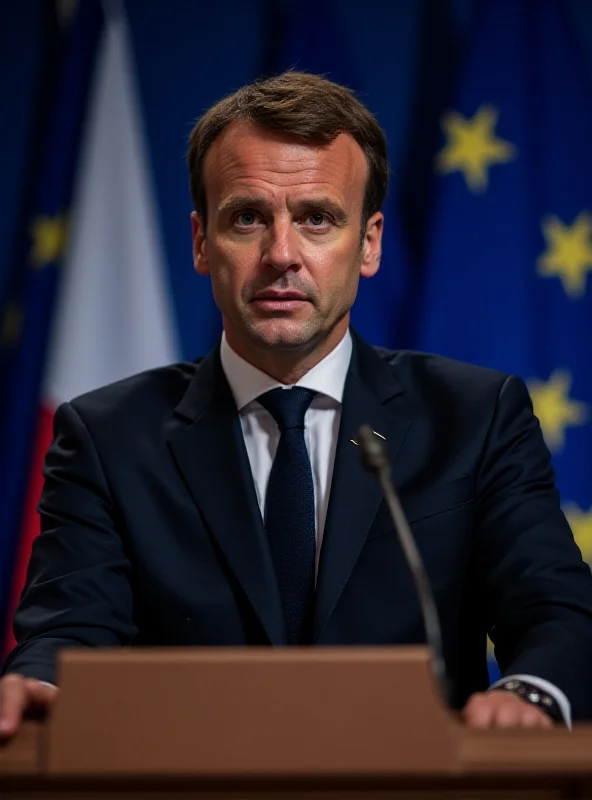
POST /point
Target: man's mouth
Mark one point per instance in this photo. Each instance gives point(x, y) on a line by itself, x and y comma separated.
point(278, 300)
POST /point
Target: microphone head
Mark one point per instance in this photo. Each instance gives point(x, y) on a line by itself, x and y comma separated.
point(373, 452)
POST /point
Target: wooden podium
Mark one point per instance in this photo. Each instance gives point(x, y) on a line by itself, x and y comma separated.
point(249, 723)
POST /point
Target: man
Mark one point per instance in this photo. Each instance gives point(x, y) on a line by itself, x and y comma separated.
point(223, 502)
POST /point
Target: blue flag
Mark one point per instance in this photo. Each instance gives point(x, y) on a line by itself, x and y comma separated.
point(185, 61)
point(26, 312)
point(321, 48)
point(26, 28)
point(509, 280)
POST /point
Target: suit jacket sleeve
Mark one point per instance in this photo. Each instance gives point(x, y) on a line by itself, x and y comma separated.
point(78, 591)
point(537, 591)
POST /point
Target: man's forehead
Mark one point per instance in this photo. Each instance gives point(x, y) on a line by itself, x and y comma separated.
point(244, 150)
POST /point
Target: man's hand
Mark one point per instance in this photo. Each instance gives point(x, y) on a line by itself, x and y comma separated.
point(502, 709)
point(19, 696)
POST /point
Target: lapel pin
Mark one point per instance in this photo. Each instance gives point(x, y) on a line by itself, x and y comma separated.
point(354, 441)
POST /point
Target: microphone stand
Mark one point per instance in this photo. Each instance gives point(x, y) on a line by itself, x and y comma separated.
point(376, 460)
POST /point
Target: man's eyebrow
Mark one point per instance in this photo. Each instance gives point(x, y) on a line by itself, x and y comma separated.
point(317, 204)
point(239, 202)
point(310, 204)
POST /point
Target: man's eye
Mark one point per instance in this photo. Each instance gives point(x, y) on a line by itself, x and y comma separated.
point(246, 218)
point(317, 220)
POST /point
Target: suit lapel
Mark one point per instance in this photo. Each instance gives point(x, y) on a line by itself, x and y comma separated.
point(208, 447)
point(370, 396)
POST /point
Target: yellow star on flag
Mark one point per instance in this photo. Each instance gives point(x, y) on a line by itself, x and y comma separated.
point(472, 146)
point(569, 252)
point(49, 240)
point(581, 524)
point(555, 409)
point(12, 325)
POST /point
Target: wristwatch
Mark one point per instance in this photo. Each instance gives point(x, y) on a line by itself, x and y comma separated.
point(537, 697)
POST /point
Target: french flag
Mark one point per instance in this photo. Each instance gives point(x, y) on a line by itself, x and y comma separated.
point(113, 314)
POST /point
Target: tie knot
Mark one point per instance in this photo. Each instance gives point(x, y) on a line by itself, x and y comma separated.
point(287, 406)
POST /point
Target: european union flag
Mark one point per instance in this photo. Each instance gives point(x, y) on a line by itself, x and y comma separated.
point(509, 279)
point(322, 48)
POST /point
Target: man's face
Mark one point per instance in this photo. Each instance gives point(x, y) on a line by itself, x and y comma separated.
point(282, 244)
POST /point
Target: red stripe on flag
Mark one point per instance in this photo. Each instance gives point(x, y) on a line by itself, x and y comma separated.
point(30, 522)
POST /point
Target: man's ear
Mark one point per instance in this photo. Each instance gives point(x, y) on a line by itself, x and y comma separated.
point(198, 235)
point(372, 245)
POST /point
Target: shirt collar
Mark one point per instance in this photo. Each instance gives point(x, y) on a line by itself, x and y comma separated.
point(247, 382)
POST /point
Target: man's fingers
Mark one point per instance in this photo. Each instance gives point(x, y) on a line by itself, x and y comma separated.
point(19, 695)
point(40, 694)
point(520, 715)
point(13, 695)
point(508, 715)
point(535, 718)
point(500, 709)
point(478, 712)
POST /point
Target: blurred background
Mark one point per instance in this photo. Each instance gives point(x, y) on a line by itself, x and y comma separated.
point(487, 106)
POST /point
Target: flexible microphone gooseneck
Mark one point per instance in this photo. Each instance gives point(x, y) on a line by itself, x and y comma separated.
point(376, 460)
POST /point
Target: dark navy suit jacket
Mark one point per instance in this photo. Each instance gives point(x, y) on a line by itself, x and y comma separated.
point(152, 534)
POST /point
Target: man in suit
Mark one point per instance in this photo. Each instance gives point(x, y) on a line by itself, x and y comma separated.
point(222, 502)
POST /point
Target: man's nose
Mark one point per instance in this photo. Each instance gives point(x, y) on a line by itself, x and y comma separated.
point(281, 247)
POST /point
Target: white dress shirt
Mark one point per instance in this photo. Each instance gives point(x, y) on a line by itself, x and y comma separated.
point(321, 422)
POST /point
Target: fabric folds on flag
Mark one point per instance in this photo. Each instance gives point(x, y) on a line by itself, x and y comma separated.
point(113, 315)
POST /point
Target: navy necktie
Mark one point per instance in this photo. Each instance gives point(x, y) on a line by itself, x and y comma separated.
point(290, 511)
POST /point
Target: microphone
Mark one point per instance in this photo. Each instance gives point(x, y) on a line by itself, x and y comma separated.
point(375, 459)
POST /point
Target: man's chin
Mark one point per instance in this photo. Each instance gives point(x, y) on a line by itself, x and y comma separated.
point(283, 334)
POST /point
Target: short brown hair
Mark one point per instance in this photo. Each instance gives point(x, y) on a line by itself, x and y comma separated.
point(305, 106)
